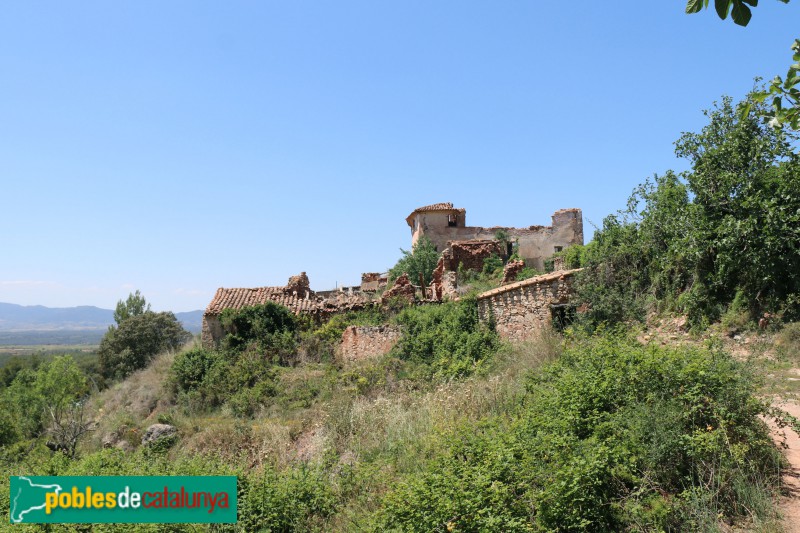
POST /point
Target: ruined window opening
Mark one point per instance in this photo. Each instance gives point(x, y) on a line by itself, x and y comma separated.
point(559, 248)
point(509, 249)
point(451, 221)
point(562, 316)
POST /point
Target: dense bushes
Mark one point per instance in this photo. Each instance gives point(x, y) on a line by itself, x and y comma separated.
point(262, 324)
point(441, 342)
point(48, 401)
point(613, 436)
point(693, 242)
point(290, 501)
point(446, 341)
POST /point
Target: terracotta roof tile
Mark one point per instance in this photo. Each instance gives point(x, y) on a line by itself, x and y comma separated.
point(435, 207)
point(530, 281)
point(441, 206)
point(239, 298)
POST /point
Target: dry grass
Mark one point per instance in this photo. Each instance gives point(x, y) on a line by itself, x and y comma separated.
point(403, 424)
point(126, 408)
point(395, 422)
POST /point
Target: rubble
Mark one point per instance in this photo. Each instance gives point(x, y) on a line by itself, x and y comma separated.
point(299, 286)
point(471, 254)
point(402, 288)
point(511, 270)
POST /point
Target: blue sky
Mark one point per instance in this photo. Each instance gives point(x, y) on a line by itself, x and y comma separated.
point(176, 147)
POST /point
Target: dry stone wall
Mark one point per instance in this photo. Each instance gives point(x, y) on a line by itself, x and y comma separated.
point(521, 309)
point(366, 342)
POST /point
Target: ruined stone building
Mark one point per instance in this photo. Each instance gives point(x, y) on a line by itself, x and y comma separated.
point(446, 226)
point(296, 296)
point(521, 309)
point(518, 308)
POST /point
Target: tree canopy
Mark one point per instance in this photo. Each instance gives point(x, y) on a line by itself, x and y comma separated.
point(135, 305)
point(140, 334)
point(421, 259)
point(724, 235)
point(739, 10)
point(783, 92)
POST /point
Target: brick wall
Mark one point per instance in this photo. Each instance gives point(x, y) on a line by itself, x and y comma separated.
point(522, 308)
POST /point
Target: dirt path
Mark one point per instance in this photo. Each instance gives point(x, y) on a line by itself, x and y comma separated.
point(790, 501)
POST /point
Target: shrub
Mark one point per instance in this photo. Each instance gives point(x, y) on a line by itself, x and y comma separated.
point(190, 368)
point(787, 342)
point(492, 265)
point(614, 436)
point(289, 501)
point(256, 323)
point(446, 340)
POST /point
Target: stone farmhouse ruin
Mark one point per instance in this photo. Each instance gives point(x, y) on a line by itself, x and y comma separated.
point(446, 225)
point(518, 308)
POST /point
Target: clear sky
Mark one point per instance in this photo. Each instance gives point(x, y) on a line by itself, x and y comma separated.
point(176, 147)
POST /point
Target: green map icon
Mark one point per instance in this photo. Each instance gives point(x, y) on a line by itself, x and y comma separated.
point(28, 499)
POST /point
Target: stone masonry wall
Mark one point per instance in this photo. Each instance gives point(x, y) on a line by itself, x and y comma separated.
point(365, 342)
point(211, 332)
point(521, 309)
point(536, 243)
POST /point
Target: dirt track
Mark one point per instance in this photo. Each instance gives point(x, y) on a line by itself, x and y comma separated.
point(790, 501)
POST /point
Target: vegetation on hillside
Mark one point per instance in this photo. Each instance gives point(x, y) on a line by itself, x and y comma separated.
point(577, 434)
point(723, 236)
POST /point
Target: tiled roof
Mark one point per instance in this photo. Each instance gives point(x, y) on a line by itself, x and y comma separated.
point(239, 298)
point(435, 207)
point(442, 206)
point(530, 281)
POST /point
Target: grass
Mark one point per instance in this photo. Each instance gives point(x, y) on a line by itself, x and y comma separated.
point(343, 437)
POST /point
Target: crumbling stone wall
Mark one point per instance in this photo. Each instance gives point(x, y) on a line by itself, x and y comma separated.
point(444, 284)
point(402, 288)
point(511, 270)
point(296, 296)
point(442, 223)
point(211, 331)
point(365, 342)
point(521, 309)
point(299, 286)
point(471, 254)
point(372, 281)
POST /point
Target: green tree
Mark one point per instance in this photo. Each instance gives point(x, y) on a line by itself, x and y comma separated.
point(21, 399)
point(785, 105)
point(135, 305)
point(694, 242)
point(131, 345)
point(738, 9)
point(63, 389)
point(746, 208)
point(47, 401)
point(421, 260)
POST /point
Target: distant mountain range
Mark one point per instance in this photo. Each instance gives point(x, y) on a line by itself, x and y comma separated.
point(87, 318)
